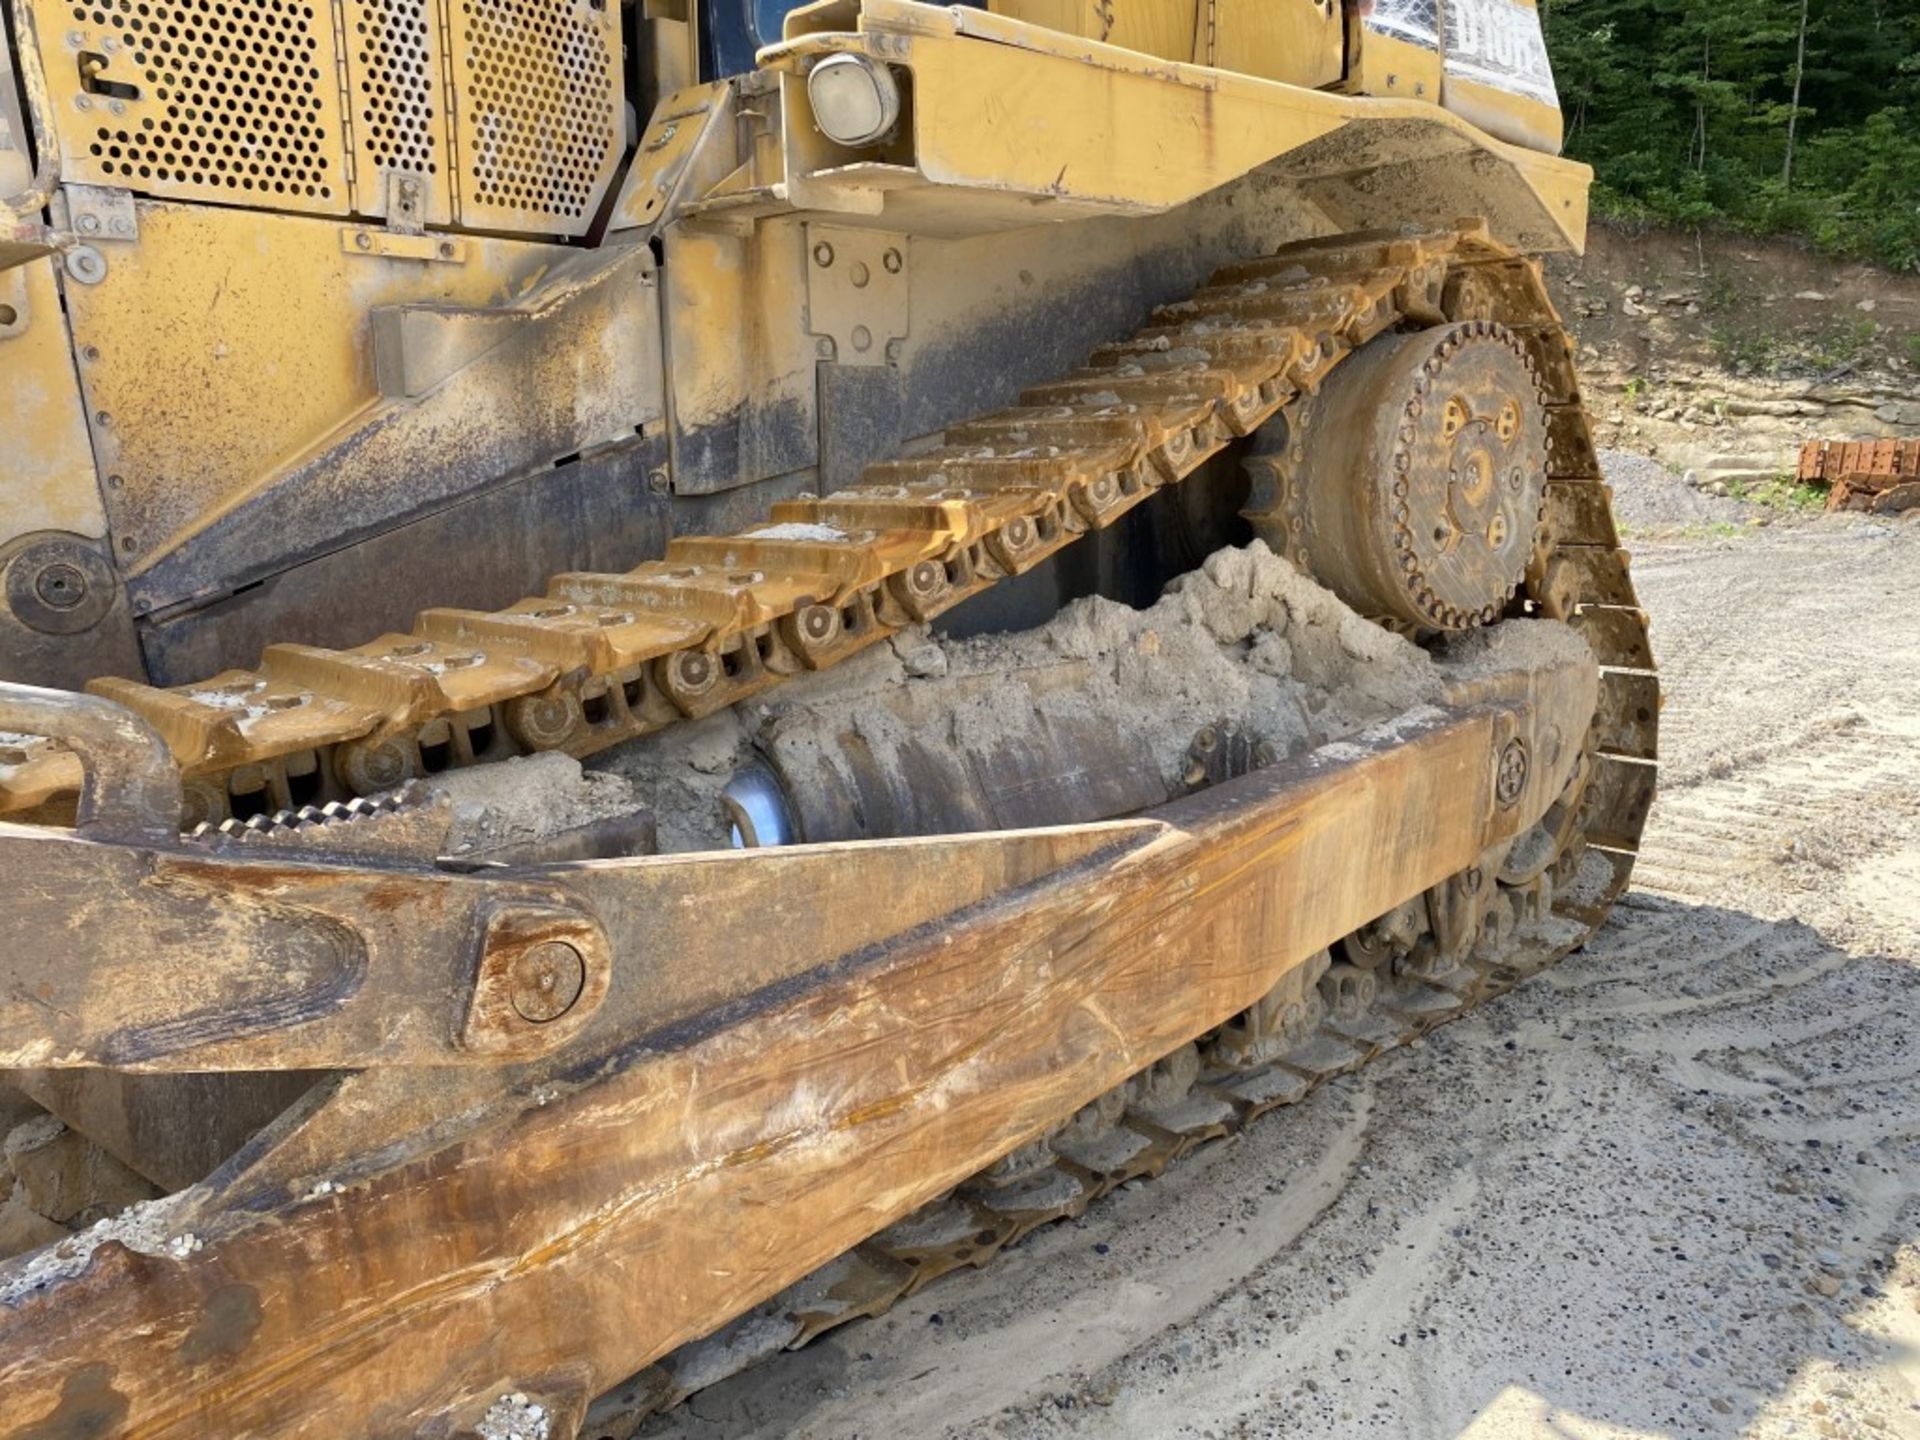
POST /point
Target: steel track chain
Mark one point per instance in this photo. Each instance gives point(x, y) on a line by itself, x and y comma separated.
point(603, 658)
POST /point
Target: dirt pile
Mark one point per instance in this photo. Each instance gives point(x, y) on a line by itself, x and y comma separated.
point(529, 798)
point(1246, 637)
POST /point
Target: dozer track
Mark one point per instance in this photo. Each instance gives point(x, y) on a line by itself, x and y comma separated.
point(1429, 962)
point(602, 658)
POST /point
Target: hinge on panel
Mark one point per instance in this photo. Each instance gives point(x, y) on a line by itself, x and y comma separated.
point(101, 212)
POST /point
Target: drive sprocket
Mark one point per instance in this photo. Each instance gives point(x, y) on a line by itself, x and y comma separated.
point(1423, 494)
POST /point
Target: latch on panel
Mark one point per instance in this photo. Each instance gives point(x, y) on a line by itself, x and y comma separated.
point(406, 202)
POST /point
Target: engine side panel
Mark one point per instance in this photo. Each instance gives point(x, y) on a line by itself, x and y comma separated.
point(343, 107)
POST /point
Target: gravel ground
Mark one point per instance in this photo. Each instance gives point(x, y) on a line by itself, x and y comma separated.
point(1648, 498)
point(1671, 1188)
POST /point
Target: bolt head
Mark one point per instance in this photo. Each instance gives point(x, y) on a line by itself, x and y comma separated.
point(61, 586)
point(547, 980)
point(1511, 778)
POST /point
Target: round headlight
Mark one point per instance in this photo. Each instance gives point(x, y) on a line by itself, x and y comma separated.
point(855, 101)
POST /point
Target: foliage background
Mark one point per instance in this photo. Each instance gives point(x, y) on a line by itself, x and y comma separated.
point(1686, 110)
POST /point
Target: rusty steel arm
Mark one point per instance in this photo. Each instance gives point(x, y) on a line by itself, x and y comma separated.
point(130, 791)
point(843, 1079)
point(123, 948)
point(178, 958)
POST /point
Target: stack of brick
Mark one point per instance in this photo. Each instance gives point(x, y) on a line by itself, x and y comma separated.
point(1882, 476)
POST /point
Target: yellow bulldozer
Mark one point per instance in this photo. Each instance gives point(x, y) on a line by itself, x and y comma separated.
point(1035, 571)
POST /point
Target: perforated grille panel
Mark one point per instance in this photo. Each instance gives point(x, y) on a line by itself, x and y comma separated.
point(396, 92)
point(540, 109)
point(502, 115)
point(236, 100)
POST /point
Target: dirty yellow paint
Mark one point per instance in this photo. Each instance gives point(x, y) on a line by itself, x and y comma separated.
point(1004, 109)
point(46, 463)
point(1297, 41)
point(732, 306)
point(229, 342)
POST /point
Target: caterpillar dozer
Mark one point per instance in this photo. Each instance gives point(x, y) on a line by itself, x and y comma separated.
point(1035, 571)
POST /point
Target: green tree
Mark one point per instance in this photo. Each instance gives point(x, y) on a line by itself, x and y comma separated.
point(1771, 115)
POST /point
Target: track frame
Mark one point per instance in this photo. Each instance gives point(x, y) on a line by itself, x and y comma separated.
point(689, 1160)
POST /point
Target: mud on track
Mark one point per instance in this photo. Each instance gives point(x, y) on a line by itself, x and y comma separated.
point(1671, 1188)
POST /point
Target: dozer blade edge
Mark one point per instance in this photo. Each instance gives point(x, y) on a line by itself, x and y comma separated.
point(709, 1129)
